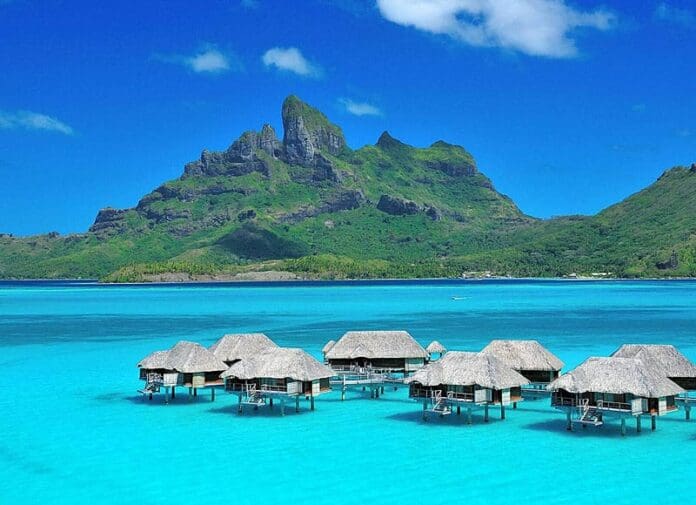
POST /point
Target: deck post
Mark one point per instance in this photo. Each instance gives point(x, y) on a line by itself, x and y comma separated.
point(485, 413)
point(502, 411)
point(343, 394)
point(425, 407)
point(569, 424)
point(459, 410)
point(282, 406)
point(638, 426)
point(623, 426)
point(212, 394)
point(173, 392)
point(363, 388)
point(240, 403)
point(150, 396)
point(297, 404)
point(468, 415)
point(166, 395)
point(311, 402)
point(270, 402)
point(687, 410)
point(514, 405)
point(382, 391)
point(653, 426)
point(377, 392)
point(195, 392)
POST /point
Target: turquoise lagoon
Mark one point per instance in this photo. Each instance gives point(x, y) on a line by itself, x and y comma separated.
point(74, 430)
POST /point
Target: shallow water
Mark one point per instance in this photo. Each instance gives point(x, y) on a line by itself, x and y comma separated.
point(73, 429)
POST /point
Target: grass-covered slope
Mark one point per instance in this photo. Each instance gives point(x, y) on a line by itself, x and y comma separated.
point(309, 204)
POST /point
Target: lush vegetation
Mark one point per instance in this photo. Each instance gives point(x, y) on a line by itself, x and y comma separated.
point(263, 214)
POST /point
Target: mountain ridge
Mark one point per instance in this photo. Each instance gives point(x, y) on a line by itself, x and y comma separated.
point(311, 202)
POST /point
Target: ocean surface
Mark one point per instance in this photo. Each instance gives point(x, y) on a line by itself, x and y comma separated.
point(74, 430)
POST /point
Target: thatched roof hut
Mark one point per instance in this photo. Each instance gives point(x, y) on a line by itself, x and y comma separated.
point(435, 347)
point(190, 357)
point(622, 387)
point(277, 373)
point(393, 350)
point(664, 359)
point(528, 357)
point(469, 378)
point(235, 346)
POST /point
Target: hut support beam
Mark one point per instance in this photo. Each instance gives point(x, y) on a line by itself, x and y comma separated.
point(514, 405)
point(623, 426)
point(569, 423)
point(382, 390)
point(687, 411)
point(282, 406)
point(270, 402)
point(173, 392)
point(212, 394)
point(468, 415)
point(311, 402)
point(166, 395)
point(343, 394)
point(195, 392)
point(485, 413)
point(638, 426)
point(425, 407)
point(239, 409)
point(459, 410)
point(653, 423)
point(502, 411)
point(297, 404)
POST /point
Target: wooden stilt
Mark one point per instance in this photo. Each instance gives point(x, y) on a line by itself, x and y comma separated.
point(377, 392)
point(270, 402)
point(485, 413)
point(212, 394)
point(569, 424)
point(150, 396)
point(382, 391)
point(343, 394)
point(653, 426)
point(468, 415)
point(459, 410)
point(282, 406)
point(297, 404)
point(687, 411)
point(195, 392)
point(311, 402)
point(502, 411)
point(240, 403)
point(623, 426)
point(166, 395)
point(514, 405)
point(363, 388)
point(173, 392)
point(425, 407)
point(638, 426)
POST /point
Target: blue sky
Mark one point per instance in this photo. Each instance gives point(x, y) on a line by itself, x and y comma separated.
point(568, 106)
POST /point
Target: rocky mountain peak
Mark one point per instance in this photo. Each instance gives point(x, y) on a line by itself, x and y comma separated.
point(386, 141)
point(307, 131)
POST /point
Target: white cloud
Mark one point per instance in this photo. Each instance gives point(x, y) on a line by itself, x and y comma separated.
point(534, 27)
point(208, 60)
point(360, 108)
point(671, 14)
point(290, 59)
point(27, 120)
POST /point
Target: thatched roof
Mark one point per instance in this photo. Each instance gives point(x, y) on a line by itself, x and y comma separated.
point(436, 347)
point(154, 361)
point(279, 363)
point(236, 346)
point(376, 344)
point(524, 355)
point(327, 347)
point(457, 368)
point(190, 357)
point(665, 359)
point(617, 376)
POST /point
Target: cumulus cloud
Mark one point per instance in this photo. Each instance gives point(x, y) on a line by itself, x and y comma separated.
point(290, 59)
point(671, 14)
point(360, 108)
point(535, 27)
point(27, 120)
point(208, 60)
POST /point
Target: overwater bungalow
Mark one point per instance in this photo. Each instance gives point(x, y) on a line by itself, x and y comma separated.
point(385, 351)
point(277, 374)
point(618, 387)
point(435, 348)
point(327, 347)
point(187, 364)
point(530, 359)
point(468, 379)
point(235, 346)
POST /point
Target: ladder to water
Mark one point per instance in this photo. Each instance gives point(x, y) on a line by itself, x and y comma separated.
point(253, 396)
point(439, 404)
point(589, 414)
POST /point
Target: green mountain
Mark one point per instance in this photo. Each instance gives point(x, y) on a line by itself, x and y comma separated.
point(310, 205)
